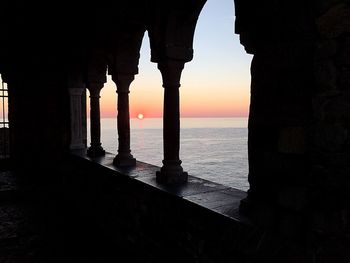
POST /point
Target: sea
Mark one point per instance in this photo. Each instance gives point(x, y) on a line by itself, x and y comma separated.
point(211, 148)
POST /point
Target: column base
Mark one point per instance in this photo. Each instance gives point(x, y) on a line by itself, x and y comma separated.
point(95, 151)
point(171, 173)
point(124, 160)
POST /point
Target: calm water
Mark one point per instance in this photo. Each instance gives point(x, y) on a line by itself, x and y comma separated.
point(211, 148)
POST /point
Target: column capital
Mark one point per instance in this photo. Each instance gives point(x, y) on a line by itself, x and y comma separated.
point(94, 88)
point(123, 81)
point(171, 72)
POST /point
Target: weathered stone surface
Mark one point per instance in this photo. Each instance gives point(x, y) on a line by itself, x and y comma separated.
point(299, 127)
point(294, 198)
point(326, 75)
point(4, 142)
point(320, 102)
point(298, 133)
point(291, 225)
point(335, 21)
point(331, 137)
point(159, 220)
point(326, 49)
point(322, 6)
point(332, 107)
point(344, 79)
point(343, 58)
point(292, 140)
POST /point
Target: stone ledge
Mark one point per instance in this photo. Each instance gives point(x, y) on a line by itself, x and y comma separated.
point(195, 222)
point(210, 195)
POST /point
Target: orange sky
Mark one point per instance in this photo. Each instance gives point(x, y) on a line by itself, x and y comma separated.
point(215, 84)
point(208, 89)
point(201, 100)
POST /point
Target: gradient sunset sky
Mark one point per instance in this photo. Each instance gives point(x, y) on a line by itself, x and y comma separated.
point(215, 84)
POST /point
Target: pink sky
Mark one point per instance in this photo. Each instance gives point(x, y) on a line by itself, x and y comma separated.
point(215, 84)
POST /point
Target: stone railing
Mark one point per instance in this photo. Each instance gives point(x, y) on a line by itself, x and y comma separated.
point(172, 171)
point(171, 31)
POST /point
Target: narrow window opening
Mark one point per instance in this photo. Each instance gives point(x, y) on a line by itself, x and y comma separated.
point(4, 123)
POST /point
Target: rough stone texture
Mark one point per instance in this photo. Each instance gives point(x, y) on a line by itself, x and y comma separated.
point(4, 143)
point(27, 223)
point(299, 157)
point(197, 222)
point(299, 132)
point(335, 21)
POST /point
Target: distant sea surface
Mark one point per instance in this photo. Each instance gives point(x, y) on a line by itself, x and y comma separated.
point(211, 148)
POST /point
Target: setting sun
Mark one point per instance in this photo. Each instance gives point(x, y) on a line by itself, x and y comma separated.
point(140, 116)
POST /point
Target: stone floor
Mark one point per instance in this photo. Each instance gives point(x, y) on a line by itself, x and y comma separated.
point(38, 225)
point(20, 240)
point(32, 225)
point(40, 221)
point(26, 224)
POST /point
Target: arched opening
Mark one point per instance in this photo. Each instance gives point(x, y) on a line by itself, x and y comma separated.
point(108, 116)
point(214, 104)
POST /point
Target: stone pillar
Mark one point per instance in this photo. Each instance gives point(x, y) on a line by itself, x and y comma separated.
point(172, 171)
point(124, 156)
point(95, 149)
point(76, 117)
point(84, 117)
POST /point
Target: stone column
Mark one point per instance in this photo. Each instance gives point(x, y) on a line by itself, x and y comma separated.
point(124, 156)
point(84, 117)
point(95, 149)
point(76, 117)
point(172, 171)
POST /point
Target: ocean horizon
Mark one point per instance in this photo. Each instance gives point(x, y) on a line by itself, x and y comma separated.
point(210, 148)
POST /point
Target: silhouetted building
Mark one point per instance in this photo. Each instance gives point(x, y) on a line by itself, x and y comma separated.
point(298, 205)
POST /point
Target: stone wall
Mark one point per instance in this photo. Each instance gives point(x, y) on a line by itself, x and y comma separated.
point(299, 136)
point(39, 119)
point(329, 146)
point(299, 154)
point(146, 222)
point(126, 212)
point(4, 142)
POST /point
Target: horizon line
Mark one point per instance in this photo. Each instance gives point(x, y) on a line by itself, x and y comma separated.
point(185, 117)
